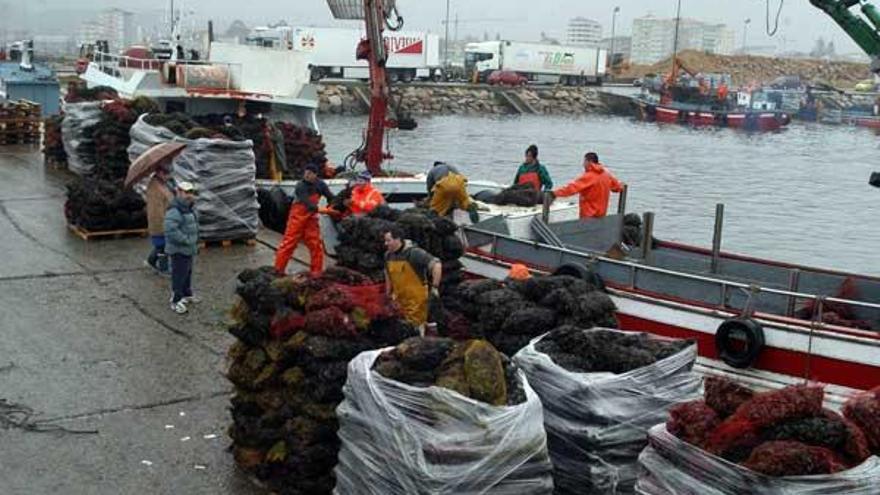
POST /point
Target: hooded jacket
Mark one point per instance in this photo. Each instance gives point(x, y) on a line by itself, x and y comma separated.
point(181, 229)
point(595, 187)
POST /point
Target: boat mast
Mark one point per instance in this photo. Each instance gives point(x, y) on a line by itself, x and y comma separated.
point(674, 45)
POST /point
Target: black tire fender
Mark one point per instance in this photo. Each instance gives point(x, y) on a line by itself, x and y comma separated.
point(754, 342)
point(581, 272)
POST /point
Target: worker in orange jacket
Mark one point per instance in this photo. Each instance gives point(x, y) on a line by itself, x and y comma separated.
point(594, 186)
point(302, 224)
point(364, 197)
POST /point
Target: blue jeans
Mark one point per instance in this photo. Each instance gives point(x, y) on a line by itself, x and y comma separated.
point(157, 258)
point(181, 276)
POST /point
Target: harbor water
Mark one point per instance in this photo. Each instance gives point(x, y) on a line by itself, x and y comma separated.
point(799, 196)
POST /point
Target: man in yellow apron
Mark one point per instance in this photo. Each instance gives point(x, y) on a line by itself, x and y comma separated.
point(408, 269)
point(447, 188)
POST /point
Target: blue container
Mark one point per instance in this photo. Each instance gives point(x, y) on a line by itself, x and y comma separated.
point(39, 85)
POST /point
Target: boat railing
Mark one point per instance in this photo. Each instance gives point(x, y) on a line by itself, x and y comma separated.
point(187, 74)
point(490, 240)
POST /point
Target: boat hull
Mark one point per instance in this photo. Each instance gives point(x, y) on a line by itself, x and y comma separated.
point(751, 121)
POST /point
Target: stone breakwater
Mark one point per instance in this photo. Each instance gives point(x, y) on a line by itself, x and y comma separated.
point(348, 99)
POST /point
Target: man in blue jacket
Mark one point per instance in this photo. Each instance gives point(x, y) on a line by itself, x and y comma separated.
point(181, 244)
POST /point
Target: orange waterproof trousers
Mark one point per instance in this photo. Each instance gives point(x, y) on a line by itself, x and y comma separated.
point(302, 225)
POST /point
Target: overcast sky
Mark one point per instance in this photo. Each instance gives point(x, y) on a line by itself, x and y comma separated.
point(800, 23)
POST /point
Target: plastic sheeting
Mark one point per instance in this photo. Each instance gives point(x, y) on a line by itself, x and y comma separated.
point(224, 172)
point(399, 439)
point(597, 423)
point(674, 467)
point(77, 118)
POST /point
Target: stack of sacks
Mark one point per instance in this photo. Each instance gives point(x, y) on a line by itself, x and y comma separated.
point(361, 243)
point(737, 441)
point(602, 390)
point(436, 416)
point(223, 170)
point(510, 314)
point(296, 336)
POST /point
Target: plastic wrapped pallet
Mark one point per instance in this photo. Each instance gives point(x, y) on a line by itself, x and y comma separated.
point(224, 172)
point(671, 466)
point(400, 439)
point(78, 117)
point(597, 423)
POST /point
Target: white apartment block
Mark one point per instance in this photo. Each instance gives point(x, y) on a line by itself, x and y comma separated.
point(583, 32)
point(114, 25)
point(653, 39)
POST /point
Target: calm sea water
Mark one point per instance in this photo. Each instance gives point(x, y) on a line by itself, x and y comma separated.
point(800, 195)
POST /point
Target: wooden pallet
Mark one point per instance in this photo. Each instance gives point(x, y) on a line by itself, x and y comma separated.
point(246, 241)
point(88, 235)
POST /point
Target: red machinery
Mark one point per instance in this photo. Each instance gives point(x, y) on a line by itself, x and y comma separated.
point(377, 15)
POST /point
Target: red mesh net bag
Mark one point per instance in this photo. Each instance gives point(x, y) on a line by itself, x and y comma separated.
point(286, 323)
point(372, 300)
point(742, 429)
point(331, 322)
point(792, 459)
point(864, 410)
point(692, 421)
point(725, 396)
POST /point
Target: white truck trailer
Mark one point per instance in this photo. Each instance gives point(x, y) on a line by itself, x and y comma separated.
point(575, 66)
point(412, 55)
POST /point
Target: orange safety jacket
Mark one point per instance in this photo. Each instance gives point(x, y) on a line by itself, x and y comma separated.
point(594, 187)
point(365, 198)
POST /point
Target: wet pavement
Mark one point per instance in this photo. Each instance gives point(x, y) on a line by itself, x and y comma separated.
point(89, 344)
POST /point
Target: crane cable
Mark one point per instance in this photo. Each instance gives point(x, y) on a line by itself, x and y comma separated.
point(772, 32)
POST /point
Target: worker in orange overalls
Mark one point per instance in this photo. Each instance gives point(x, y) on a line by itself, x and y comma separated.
point(302, 224)
point(594, 186)
point(364, 197)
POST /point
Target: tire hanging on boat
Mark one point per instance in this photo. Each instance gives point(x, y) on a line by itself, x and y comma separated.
point(732, 355)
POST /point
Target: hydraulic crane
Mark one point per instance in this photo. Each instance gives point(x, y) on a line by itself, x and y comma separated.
point(377, 14)
point(863, 33)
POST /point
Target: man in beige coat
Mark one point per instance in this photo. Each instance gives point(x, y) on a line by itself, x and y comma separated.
point(158, 197)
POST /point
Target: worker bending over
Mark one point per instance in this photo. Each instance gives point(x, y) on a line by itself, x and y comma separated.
point(594, 186)
point(408, 270)
point(364, 197)
point(302, 224)
point(533, 173)
point(447, 188)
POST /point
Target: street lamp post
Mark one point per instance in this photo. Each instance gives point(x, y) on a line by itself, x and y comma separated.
point(745, 33)
point(613, 25)
point(446, 40)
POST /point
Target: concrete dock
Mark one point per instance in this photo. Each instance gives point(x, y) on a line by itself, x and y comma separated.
point(88, 343)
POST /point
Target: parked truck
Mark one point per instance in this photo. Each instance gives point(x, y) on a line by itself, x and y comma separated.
point(569, 65)
point(413, 55)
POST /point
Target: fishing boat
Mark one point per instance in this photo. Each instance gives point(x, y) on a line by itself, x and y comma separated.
point(230, 78)
point(702, 116)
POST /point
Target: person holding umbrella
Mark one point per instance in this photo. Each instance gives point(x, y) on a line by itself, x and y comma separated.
point(156, 161)
point(160, 192)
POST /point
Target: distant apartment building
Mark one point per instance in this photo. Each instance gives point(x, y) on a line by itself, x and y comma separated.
point(118, 27)
point(114, 25)
point(653, 39)
point(622, 47)
point(583, 32)
point(90, 32)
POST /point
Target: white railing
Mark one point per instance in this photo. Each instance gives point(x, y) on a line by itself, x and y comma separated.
point(187, 74)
